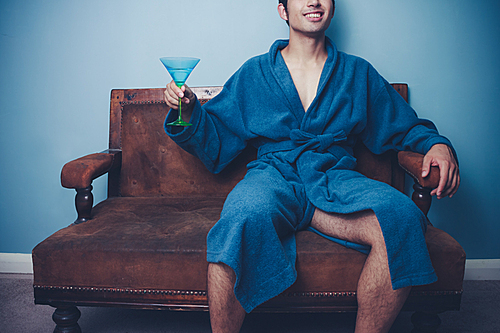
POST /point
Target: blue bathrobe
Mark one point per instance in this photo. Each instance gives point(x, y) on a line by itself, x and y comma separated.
point(305, 160)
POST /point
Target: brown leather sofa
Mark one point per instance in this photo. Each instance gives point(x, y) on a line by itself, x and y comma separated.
point(144, 246)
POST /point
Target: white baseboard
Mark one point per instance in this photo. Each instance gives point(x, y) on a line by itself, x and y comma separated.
point(482, 269)
point(16, 263)
point(475, 269)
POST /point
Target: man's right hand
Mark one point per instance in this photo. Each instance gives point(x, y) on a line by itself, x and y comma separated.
point(172, 94)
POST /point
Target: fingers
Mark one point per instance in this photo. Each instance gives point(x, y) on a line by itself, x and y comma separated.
point(426, 166)
point(454, 182)
point(173, 93)
point(188, 94)
point(444, 180)
point(449, 181)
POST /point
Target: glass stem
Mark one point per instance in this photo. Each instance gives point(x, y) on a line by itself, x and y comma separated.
point(180, 112)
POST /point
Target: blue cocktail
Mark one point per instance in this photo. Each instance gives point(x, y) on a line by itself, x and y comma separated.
point(179, 69)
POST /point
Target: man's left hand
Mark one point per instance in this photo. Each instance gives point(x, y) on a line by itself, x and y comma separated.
point(440, 155)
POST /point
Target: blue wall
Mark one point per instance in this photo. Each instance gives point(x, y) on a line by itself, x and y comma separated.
point(60, 59)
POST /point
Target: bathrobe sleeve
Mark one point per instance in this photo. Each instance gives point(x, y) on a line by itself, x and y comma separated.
point(392, 124)
point(218, 133)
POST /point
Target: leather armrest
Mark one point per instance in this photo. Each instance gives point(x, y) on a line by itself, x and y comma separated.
point(80, 173)
point(412, 163)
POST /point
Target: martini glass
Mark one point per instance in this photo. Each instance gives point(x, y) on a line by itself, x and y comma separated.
point(179, 69)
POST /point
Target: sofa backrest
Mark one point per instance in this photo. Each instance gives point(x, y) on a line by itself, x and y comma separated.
point(153, 165)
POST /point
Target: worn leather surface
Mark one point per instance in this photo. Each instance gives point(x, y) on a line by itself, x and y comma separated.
point(132, 242)
point(159, 243)
point(153, 165)
point(412, 163)
point(81, 172)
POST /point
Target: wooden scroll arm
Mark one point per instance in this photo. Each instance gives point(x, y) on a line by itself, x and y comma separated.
point(79, 174)
point(412, 164)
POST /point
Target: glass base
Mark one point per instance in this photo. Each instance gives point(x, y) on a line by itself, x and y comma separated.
point(179, 122)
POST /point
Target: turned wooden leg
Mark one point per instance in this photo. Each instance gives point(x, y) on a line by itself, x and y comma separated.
point(425, 322)
point(84, 201)
point(422, 197)
point(66, 319)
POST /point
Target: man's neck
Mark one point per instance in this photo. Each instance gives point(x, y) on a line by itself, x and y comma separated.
point(305, 59)
point(304, 49)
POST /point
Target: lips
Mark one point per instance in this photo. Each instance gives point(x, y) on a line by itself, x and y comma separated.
point(314, 15)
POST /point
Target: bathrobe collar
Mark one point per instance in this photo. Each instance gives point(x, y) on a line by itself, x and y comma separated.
point(284, 82)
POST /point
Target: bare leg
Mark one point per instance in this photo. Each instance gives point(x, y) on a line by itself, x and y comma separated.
point(226, 313)
point(378, 303)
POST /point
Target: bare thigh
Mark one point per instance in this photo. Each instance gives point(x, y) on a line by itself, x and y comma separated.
point(361, 227)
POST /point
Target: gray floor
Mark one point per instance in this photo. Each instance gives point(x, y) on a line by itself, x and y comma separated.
point(480, 313)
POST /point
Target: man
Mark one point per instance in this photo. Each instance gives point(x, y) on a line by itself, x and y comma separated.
point(304, 105)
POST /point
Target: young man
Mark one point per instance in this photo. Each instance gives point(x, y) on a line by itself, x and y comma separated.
point(304, 105)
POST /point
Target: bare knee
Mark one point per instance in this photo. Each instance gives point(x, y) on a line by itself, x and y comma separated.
point(360, 227)
point(220, 274)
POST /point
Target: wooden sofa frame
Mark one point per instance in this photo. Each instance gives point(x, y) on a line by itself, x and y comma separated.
point(144, 246)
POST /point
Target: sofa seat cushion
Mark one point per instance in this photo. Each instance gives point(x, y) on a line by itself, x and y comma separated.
point(160, 244)
point(156, 243)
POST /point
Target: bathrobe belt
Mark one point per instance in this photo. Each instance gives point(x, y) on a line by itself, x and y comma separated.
point(301, 141)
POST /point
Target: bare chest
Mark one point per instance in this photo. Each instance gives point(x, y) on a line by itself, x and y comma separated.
point(306, 82)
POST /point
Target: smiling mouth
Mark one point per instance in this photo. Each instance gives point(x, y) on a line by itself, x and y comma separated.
point(314, 15)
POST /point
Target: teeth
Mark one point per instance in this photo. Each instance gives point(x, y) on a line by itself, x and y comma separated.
point(313, 15)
